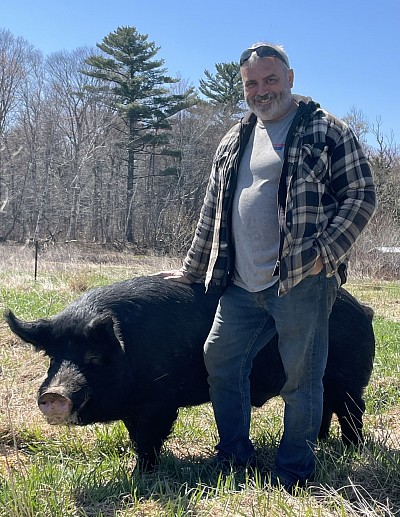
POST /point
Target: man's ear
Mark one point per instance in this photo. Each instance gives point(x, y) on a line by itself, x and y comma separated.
point(291, 77)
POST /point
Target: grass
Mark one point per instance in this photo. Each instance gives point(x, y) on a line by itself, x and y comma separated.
point(49, 471)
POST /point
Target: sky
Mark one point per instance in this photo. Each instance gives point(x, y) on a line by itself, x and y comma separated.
point(345, 53)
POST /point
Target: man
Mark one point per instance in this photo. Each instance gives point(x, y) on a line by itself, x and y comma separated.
point(289, 193)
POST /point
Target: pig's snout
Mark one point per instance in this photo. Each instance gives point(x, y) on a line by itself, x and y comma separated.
point(55, 406)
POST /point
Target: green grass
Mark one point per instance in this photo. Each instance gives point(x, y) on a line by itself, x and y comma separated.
point(41, 299)
point(383, 392)
point(50, 471)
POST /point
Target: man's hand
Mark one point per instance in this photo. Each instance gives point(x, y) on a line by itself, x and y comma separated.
point(317, 266)
point(175, 274)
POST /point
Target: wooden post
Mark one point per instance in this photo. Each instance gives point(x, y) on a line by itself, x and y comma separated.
point(36, 257)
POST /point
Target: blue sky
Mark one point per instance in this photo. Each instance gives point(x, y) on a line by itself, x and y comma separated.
point(344, 53)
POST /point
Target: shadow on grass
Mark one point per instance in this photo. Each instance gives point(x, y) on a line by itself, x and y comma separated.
point(363, 481)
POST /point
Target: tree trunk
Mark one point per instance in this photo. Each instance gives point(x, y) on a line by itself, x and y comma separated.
point(129, 234)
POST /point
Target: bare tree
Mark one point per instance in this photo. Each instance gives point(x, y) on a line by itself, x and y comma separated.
point(13, 70)
point(196, 133)
point(358, 122)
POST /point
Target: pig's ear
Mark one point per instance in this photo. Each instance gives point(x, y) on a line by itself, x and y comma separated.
point(37, 333)
point(103, 330)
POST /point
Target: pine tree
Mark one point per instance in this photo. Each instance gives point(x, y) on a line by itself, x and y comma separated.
point(135, 84)
point(225, 87)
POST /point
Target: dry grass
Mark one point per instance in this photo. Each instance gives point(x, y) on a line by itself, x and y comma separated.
point(72, 258)
point(382, 295)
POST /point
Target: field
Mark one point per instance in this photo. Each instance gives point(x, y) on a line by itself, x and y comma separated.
point(48, 471)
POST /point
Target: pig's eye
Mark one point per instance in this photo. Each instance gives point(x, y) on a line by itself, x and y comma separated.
point(93, 358)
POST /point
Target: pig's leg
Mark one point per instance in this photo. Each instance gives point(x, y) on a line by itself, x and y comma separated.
point(148, 430)
point(349, 408)
point(326, 420)
point(350, 414)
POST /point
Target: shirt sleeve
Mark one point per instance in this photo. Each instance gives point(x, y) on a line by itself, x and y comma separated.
point(354, 189)
point(195, 264)
point(205, 247)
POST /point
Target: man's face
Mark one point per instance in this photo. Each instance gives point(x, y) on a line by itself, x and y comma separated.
point(267, 87)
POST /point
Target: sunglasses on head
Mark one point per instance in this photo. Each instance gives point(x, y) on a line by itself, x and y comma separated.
point(263, 51)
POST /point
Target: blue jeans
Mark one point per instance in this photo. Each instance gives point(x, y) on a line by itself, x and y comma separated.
point(244, 322)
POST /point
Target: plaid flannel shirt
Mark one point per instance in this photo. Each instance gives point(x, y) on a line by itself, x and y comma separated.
point(326, 197)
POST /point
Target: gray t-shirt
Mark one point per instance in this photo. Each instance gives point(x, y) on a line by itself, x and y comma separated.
point(255, 212)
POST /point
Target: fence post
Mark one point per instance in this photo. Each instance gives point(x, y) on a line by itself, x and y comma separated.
point(36, 257)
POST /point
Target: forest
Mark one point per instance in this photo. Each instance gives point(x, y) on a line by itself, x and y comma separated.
point(101, 145)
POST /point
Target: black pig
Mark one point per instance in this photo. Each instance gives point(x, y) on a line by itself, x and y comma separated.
point(132, 351)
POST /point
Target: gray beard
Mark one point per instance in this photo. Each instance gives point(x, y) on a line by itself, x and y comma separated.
point(275, 109)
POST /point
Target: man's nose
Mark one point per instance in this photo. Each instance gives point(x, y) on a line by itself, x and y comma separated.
point(263, 89)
